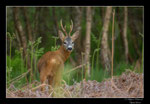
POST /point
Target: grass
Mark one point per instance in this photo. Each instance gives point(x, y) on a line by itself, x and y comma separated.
point(97, 74)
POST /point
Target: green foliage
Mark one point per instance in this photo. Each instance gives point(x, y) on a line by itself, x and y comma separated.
point(15, 69)
point(55, 47)
point(34, 46)
point(9, 67)
point(93, 57)
point(98, 74)
point(68, 76)
point(17, 65)
point(121, 67)
point(34, 53)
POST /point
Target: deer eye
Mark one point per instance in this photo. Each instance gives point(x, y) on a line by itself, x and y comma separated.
point(65, 43)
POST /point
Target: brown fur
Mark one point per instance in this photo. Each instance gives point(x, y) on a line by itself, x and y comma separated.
point(51, 65)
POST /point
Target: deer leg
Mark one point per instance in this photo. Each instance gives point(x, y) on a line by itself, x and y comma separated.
point(43, 80)
point(57, 78)
point(50, 80)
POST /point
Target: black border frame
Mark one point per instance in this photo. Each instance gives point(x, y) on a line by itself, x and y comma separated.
point(58, 3)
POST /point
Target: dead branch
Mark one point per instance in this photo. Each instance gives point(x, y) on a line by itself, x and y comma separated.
point(76, 68)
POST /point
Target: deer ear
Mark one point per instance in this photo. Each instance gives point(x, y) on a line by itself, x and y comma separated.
point(75, 36)
point(61, 35)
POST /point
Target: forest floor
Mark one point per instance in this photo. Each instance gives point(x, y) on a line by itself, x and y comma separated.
point(127, 85)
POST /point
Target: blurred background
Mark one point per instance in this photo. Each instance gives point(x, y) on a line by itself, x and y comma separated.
point(32, 31)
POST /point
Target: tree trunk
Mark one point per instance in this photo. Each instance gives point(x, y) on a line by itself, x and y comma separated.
point(77, 26)
point(125, 40)
point(121, 28)
point(21, 35)
point(55, 21)
point(27, 23)
point(103, 13)
point(36, 23)
point(105, 51)
point(43, 27)
point(134, 32)
point(88, 37)
point(20, 31)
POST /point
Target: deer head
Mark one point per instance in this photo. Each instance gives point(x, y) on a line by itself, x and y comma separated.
point(67, 39)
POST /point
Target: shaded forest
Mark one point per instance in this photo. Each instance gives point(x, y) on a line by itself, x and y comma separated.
point(33, 31)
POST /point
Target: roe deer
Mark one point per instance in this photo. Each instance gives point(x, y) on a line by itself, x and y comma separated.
point(51, 64)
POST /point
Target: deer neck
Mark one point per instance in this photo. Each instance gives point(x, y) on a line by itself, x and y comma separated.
point(64, 53)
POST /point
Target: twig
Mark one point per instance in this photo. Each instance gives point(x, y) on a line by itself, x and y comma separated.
point(9, 92)
point(38, 87)
point(50, 95)
point(23, 88)
point(112, 83)
point(76, 68)
point(22, 75)
point(129, 87)
point(64, 81)
point(66, 91)
point(112, 43)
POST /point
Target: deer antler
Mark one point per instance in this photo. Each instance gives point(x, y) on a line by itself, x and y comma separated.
point(64, 29)
point(71, 27)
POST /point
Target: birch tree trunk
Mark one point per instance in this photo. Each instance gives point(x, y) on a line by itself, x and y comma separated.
point(121, 29)
point(125, 33)
point(88, 38)
point(105, 51)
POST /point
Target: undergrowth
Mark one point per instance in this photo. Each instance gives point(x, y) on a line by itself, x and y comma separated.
point(17, 67)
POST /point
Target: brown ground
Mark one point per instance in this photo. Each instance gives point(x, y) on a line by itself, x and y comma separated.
point(128, 85)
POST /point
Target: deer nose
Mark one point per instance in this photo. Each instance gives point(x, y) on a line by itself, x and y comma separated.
point(70, 48)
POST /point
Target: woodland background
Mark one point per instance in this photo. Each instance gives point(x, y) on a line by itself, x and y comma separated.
point(32, 31)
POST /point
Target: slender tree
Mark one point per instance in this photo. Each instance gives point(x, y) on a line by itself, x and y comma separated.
point(123, 30)
point(133, 25)
point(36, 22)
point(105, 51)
point(42, 28)
point(125, 33)
point(55, 21)
point(22, 36)
point(19, 29)
point(77, 26)
point(27, 23)
point(88, 37)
